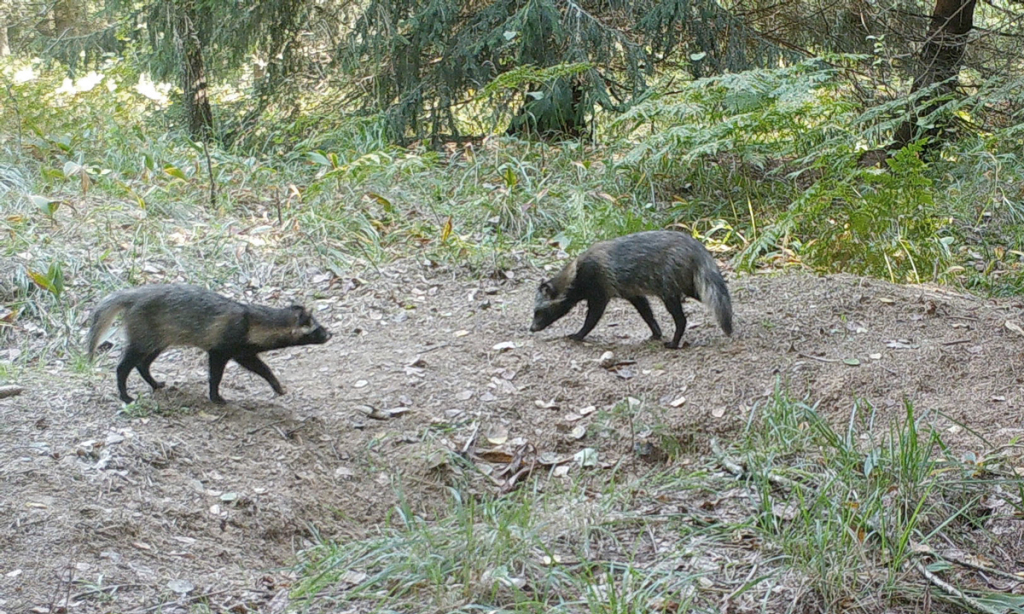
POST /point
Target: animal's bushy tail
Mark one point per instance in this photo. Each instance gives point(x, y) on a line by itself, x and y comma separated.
point(714, 293)
point(104, 315)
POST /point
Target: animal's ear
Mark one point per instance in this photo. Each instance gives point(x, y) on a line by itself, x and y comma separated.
point(300, 313)
point(547, 289)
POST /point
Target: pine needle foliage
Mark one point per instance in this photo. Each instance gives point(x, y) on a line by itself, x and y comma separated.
point(422, 61)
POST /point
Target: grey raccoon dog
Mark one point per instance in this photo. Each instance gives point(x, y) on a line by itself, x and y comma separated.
point(667, 264)
point(161, 316)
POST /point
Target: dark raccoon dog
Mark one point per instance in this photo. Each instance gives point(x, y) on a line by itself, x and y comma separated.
point(161, 316)
point(663, 263)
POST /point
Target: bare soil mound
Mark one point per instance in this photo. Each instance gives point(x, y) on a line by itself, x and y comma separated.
point(177, 499)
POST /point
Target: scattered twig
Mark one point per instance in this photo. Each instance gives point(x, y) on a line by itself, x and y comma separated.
point(739, 471)
point(10, 391)
point(730, 466)
point(982, 568)
point(818, 358)
point(957, 342)
point(953, 591)
point(724, 609)
point(436, 347)
point(191, 599)
point(267, 426)
point(891, 372)
point(103, 589)
point(471, 440)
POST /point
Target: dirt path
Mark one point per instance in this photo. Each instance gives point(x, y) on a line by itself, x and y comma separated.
point(104, 510)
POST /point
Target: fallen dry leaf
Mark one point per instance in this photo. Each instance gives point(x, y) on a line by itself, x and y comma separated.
point(624, 373)
point(495, 456)
point(180, 586)
point(352, 578)
point(497, 435)
point(900, 344)
point(372, 412)
point(1010, 324)
point(587, 457)
point(550, 458)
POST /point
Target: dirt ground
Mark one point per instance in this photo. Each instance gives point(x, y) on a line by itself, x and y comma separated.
point(138, 510)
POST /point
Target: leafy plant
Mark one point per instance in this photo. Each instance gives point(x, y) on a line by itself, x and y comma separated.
point(52, 280)
point(880, 222)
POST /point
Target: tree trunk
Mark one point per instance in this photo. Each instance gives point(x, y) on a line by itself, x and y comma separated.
point(939, 63)
point(66, 18)
point(5, 47)
point(197, 102)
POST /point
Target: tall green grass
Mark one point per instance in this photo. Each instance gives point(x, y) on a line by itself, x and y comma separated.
point(761, 165)
point(796, 514)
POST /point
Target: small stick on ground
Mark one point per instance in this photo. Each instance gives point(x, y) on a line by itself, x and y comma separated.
point(953, 591)
point(739, 471)
point(10, 391)
point(818, 358)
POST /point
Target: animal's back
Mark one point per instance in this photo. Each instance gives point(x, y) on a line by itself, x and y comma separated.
point(659, 262)
point(180, 315)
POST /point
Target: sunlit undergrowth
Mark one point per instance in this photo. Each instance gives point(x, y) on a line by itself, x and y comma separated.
point(876, 519)
point(99, 191)
point(775, 154)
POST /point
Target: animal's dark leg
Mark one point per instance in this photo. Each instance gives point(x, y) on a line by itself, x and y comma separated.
point(132, 357)
point(644, 307)
point(218, 360)
point(595, 309)
point(143, 368)
point(674, 304)
point(253, 363)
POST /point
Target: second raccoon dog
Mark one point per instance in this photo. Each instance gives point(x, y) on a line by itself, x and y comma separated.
point(667, 264)
point(161, 316)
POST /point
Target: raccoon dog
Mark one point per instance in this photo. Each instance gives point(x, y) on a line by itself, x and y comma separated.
point(663, 263)
point(161, 316)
